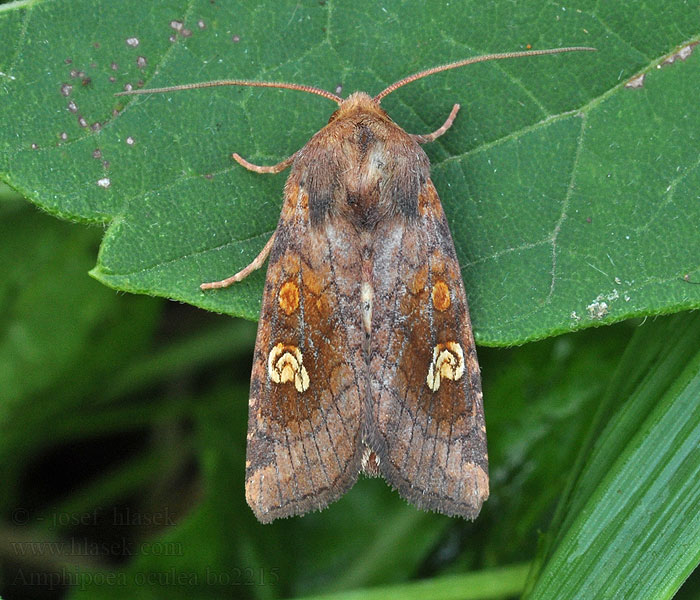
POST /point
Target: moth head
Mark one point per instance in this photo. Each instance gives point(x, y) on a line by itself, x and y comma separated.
point(357, 101)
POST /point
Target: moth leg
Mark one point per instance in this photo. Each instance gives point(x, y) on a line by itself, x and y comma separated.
point(243, 273)
point(264, 169)
point(431, 137)
point(260, 258)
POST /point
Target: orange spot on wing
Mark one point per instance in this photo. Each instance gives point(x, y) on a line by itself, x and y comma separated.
point(441, 296)
point(419, 281)
point(289, 297)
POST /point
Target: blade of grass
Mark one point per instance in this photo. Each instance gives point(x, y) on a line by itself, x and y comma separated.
point(647, 360)
point(483, 585)
point(630, 522)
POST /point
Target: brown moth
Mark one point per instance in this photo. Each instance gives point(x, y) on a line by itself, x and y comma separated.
point(364, 359)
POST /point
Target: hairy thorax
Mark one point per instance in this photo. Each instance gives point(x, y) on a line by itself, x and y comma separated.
point(361, 166)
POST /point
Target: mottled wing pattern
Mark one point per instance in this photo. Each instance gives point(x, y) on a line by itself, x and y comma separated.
point(427, 424)
point(309, 372)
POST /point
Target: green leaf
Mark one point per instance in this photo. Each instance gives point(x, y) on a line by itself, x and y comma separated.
point(571, 197)
point(484, 585)
point(630, 527)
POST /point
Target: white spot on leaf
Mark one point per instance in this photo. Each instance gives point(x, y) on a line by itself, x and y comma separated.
point(682, 54)
point(597, 309)
point(636, 82)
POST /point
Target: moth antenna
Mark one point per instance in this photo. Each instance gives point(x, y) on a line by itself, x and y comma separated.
point(475, 59)
point(221, 82)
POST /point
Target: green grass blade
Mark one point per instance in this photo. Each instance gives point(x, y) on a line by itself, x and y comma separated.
point(632, 528)
point(483, 585)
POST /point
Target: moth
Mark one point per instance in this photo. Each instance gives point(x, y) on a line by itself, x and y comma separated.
point(364, 359)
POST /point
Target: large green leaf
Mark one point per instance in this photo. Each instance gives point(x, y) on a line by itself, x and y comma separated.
point(571, 196)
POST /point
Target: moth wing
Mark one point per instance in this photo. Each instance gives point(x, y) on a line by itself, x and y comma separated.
point(304, 447)
point(427, 422)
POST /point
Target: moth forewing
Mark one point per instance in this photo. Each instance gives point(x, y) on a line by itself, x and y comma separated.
point(425, 375)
